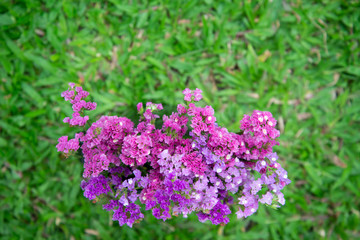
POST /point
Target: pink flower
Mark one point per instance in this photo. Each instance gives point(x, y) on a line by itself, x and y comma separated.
point(139, 107)
point(181, 109)
point(172, 170)
point(187, 95)
point(197, 94)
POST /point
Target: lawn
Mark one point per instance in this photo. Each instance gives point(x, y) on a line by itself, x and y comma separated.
point(297, 59)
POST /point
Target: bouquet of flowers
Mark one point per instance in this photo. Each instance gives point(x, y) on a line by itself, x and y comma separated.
point(191, 164)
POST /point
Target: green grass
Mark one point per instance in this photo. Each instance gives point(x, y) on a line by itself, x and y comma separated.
point(298, 59)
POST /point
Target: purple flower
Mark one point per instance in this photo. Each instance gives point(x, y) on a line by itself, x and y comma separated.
point(127, 215)
point(189, 164)
point(281, 198)
point(250, 210)
point(95, 187)
point(202, 217)
point(218, 214)
point(240, 214)
point(273, 157)
point(266, 198)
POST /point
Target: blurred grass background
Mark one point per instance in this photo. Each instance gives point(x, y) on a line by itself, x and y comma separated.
point(297, 59)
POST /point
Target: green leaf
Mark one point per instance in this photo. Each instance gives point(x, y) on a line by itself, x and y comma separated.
point(13, 47)
point(41, 62)
point(155, 62)
point(344, 177)
point(6, 19)
point(3, 142)
point(313, 173)
point(355, 70)
point(33, 94)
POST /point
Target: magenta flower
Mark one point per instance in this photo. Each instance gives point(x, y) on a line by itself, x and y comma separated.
point(187, 95)
point(189, 164)
point(197, 94)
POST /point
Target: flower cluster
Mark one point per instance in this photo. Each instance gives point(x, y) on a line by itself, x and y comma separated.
point(76, 96)
point(175, 170)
